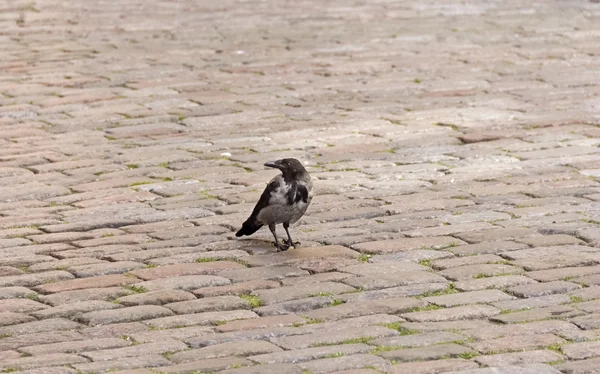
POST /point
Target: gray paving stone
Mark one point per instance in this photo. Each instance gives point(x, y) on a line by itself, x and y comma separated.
point(148, 361)
point(527, 342)
point(310, 354)
point(419, 340)
point(433, 367)
point(52, 359)
point(129, 314)
point(501, 282)
point(524, 369)
point(579, 367)
point(484, 297)
point(519, 358)
point(206, 365)
point(75, 346)
point(184, 282)
point(206, 318)
point(160, 297)
point(167, 345)
point(211, 304)
point(328, 365)
point(560, 311)
point(243, 349)
point(432, 352)
point(452, 314)
point(306, 341)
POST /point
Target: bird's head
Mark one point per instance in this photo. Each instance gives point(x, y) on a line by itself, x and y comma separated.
point(290, 167)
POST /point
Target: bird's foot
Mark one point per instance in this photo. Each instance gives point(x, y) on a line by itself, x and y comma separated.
point(281, 246)
point(289, 243)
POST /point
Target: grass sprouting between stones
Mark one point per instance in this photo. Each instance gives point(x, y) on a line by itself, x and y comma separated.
point(398, 327)
point(254, 300)
point(136, 289)
point(451, 289)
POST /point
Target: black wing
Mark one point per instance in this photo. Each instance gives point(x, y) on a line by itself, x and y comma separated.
point(263, 202)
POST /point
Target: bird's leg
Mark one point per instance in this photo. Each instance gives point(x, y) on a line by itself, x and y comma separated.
point(289, 240)
point(280, 246)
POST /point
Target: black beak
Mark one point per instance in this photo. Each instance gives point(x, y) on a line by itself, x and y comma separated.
point(273, 164)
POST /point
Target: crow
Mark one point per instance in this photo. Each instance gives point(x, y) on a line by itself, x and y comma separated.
point(284, 200)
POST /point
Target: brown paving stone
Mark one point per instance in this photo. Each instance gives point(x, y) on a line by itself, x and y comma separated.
point(210, 268)
point(83, 283)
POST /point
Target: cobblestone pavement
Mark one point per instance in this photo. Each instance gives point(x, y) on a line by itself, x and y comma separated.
point(454, 147)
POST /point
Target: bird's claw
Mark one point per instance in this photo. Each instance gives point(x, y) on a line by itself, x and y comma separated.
point(281, 246)
point(289, 243)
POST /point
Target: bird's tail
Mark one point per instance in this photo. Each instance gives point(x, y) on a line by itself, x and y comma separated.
point(249, 227)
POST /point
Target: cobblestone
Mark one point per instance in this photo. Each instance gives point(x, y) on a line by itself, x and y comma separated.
point(453, 148)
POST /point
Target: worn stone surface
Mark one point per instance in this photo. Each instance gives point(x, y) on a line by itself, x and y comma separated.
point(453, 149)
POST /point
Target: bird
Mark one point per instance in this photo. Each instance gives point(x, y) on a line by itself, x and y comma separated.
point(284, 200)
